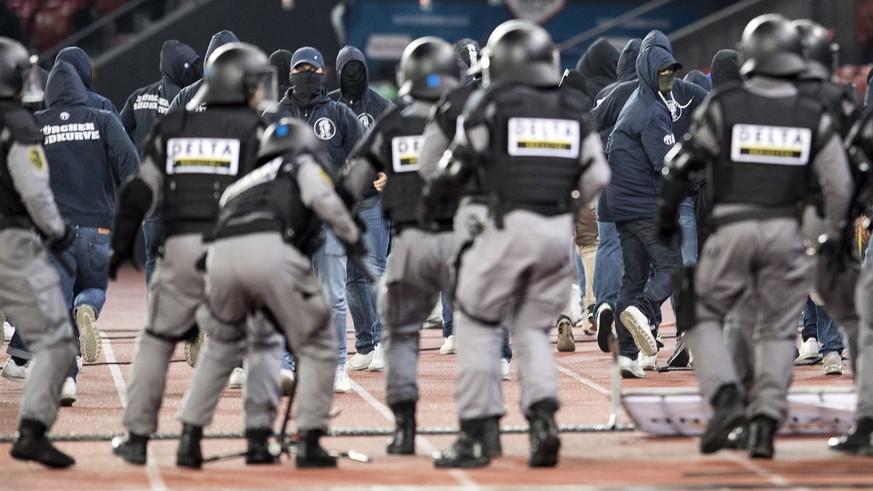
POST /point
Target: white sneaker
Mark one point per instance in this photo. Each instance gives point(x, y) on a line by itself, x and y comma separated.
point(809, 349)
point(89, 337)
point(638, 325)
point(378, 363)
point(647, 363)
point(14, 372)
point(80, 362)
point(360, 362)
point(833, 363)
point(341, 383)
point(630, 368)
point(237, 378)
point(448, 347)
point(8, 330)
point(68, 392)
point(504, 368)
point(287, 378)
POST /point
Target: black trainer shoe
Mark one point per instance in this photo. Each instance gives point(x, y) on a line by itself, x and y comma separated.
point(189, 453)
point(31, 444)
point(762, 429)
point(491, 437)
point(403, 440)
point(258, 451)
point(544, 440)
point(857, 439)
point(729, 413)
point(605, 318)
point(467, 452)
point(131, 447)
point(310, 454)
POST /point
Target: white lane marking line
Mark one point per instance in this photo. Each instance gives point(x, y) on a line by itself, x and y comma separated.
point(153, 474)
point(743, 460)
point(590, 383)
point(420, 441)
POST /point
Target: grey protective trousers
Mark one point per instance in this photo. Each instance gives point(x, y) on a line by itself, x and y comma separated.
point(31, 297)
point(418, 269)
point(260, 273)
point(175, 291)
point(522, 274)
point(864, 360)
point(760, 267)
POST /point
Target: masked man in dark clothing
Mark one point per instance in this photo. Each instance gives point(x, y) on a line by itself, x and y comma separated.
point(368, 105)
point(180, 66)
point(79, 59)
point(185, 95)
point(336, 125)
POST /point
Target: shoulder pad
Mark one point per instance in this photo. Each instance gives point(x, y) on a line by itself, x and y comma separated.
point(21, 125)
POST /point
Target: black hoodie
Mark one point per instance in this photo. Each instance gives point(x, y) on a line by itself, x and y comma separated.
point(77, 57)
point(180, 66)
point(185, 95)
point(598, 67)
point(370, 105)
point(281, 61)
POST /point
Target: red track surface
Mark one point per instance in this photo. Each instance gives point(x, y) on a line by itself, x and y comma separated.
point(597, 459)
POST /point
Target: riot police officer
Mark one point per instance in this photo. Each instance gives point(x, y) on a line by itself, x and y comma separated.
point(31, 291)
point(537, 159)
point(268, 226)
point(417, 268)
point(191, 158)
point(759, 143)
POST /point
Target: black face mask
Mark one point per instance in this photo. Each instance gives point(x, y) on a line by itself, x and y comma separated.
point(353, 80)
point(306, 85)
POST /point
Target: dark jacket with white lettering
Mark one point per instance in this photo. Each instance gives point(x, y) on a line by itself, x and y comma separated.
point(637, 145)
point(88, 152)
point(82, 64)
point(186, 94)
point(179, 67)
point(333, 122)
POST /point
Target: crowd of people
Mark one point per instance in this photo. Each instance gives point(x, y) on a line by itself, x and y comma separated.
point(271, 208)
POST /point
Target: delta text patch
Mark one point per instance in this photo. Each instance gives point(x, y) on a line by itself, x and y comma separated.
point(541, 137)
point(203, 156)
point(779, 145)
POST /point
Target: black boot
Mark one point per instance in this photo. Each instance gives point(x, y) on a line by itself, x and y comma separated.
point(761, 432)
point(31, 444)
point(857, 439)
point(403, 440)
point(491, 438)
point(544, 441)
point(131, 447)
point(188, 453)
point(258, 451)
point(729, 412)
point(310, 454)
point(738, 439)
point(467, 452)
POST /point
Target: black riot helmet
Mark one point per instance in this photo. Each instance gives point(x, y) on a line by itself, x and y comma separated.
point(523, 52)
point(770, 45)
point(15, 67)
point(428, 68)
point(236, 71)
point(818, 49)
point(288, 135)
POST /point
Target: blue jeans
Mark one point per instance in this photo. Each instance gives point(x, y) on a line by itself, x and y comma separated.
point(329, 262)
point(152, 231)
point(648, 270)
point(817, 324)
point(448, 318)
point(580, 271)
point(607, 265)
point(361, 295)
point(688, 225)
point(88, 255)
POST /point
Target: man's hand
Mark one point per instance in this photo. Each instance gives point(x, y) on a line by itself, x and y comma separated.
point(63, 241)
point(118, 258)
point(381, 179)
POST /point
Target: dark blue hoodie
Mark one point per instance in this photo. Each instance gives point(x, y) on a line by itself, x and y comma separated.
point(370, 105)
point(641, 138)
point(88, 152)
point(607, 105)
point(186, 94)
point(180, 66)
point(598, 67)
point(82, 64)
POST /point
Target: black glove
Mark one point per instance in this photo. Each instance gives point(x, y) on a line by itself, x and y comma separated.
point(667, 229)
point(62, 242)
point(357, 249)
point(834, 251)
point(118, 258)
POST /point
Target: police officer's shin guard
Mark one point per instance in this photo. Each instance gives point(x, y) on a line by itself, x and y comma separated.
point(762, 429)
point(729, 412)
point(189, 453)
point(544, 440)
point(258, 451)
point(310, 454)
point(131, 447)
point(857, 440)
point(491, 438)
point(31, 444)
point(468, 451)
point(403, 440)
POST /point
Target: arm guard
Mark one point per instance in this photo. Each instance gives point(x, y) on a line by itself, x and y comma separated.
point(455, 168)
point(679, 163)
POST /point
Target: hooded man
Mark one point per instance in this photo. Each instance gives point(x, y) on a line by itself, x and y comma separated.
point(725, 68)
point(281, 59)
point(82, 64)
point(355, 92)
point(185, 95)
